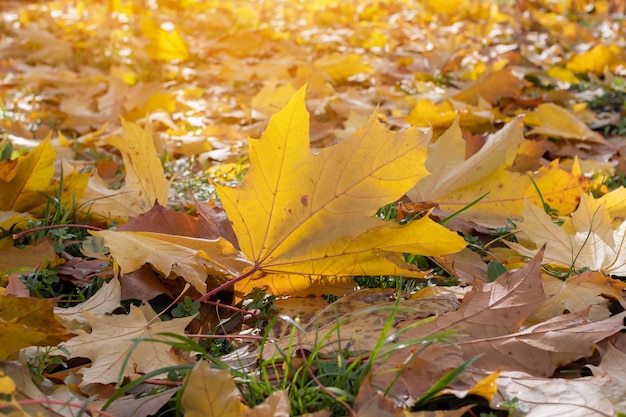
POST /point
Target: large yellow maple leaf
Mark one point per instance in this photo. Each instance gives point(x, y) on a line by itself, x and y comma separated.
point(313, 213)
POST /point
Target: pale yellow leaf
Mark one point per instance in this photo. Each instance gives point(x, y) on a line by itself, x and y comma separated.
point(276, 405)
point(451, 171)
point(112, 350)
point(555, 121)
point(145, 182)
point(570, 296)
point(105, 300)
point(457, 182)
point(586, 241)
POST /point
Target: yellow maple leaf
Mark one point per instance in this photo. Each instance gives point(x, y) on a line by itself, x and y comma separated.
point(305, 213)
point(339, 67)
point(27, 321)
point(166, 44)
point(552, 120)
point(22, 179)
point(597, 59)
point(313, 213)
point(26, 182)
point(456, 182)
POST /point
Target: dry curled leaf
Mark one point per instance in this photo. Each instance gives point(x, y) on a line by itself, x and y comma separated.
point(586, 240)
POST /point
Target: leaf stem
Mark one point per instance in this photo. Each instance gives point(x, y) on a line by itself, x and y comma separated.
point(233, 281)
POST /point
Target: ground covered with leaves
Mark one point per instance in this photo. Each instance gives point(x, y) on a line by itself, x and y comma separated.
point(324, 208)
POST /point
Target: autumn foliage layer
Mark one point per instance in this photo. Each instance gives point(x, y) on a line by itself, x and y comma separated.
point(194, 196)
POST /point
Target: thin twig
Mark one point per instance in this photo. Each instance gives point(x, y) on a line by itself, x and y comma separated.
point(230, 336)
point(229, 307)
point(54, 402)
point(55, 226)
